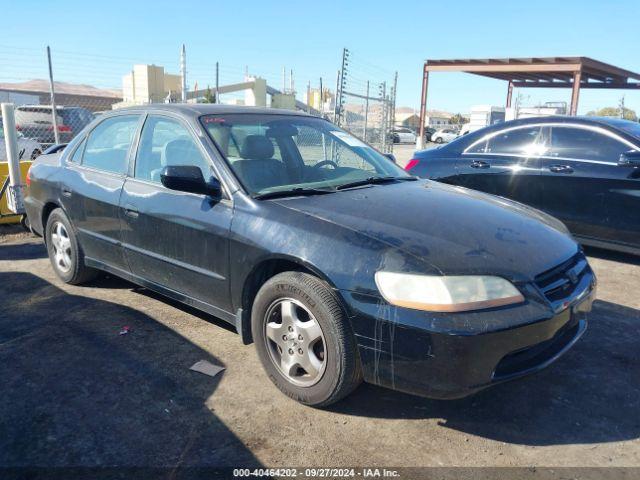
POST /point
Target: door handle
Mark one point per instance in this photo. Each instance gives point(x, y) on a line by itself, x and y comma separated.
point(66, 192)
point(560, 169)
point(479, 164)
point(131, 212)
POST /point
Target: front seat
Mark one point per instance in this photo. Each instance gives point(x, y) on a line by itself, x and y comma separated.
point(258, 170)
point(177, 152)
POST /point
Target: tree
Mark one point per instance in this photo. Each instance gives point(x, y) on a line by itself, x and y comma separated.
point(614, 112)
point(209, 96)
point(458, 119)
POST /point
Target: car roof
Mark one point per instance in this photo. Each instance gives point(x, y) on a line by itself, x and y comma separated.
point(602, 121)
point(609, 123)
point(197, 109)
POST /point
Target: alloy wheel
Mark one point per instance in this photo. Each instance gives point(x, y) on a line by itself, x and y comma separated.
point(295, 342)
point(61, 247)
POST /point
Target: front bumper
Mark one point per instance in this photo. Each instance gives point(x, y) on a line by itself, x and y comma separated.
point(450, 356)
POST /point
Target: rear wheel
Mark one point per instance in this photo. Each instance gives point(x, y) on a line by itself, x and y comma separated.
point(65, 253)
point(304, 340)
point(438, 140)
point(35, 154)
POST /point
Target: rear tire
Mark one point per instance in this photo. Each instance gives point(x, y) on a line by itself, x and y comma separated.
point(298, 324)
point(65, 252)
point(438, 140)
point(24, 222)
point(35, 154)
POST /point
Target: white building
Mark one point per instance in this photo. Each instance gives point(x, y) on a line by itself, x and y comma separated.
point(149, 84)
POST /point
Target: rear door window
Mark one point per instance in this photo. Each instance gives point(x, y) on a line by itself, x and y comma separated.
point(108, 144)
point(585, 144)
point(77, 154)
point(527, 141)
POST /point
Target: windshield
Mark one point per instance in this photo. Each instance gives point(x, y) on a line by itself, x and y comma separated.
point(273, 153)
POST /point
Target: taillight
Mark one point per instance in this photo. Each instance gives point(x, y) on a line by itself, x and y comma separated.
point(27, 179)
point(61, 128)
point(412, 163)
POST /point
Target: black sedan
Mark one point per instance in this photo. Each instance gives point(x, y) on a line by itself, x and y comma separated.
point(334, 261)
point(584, 171)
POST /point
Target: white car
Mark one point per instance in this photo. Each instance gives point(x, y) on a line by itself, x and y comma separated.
point(403, 135)
point(28, 149)
point(444, 136)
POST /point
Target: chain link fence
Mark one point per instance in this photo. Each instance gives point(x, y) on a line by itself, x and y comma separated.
point(58, 93)
point(366, 101)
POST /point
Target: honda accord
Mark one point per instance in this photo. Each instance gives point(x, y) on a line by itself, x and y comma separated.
point(336, 263)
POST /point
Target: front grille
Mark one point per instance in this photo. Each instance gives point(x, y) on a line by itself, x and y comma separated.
point(560, 282)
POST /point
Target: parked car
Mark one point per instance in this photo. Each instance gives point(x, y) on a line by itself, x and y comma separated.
point(28, 149)
point(36, 121)
point(403, 135)
point(444, 135)
point(468, 128)
point(584, 171)
point(338, 264)
point(428, 131)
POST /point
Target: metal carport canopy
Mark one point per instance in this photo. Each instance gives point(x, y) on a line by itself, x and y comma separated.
point(536, 72)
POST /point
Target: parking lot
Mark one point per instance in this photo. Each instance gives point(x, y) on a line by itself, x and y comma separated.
point(77, 392)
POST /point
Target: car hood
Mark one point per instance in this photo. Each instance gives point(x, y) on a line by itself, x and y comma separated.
point(452, 230)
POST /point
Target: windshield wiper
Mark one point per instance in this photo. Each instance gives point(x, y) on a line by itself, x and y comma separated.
point(374, 181)
point(293, 192)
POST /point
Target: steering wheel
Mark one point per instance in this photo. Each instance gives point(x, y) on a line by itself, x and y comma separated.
point(326, 162)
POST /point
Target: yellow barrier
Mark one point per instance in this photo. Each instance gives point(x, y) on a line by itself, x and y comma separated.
point(4, 172)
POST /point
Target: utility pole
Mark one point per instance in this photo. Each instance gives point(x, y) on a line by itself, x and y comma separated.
point(391, 116)
point(342, 82)
point(217, 83)
point(183, 73)
point(393, 101)
point(54, 112)
point(291, 81)
point(366, 114)
point(336, 117)
point(309, 96)
point(321, 99)
point(383, 132)
point(622, 107)
point(284, 79)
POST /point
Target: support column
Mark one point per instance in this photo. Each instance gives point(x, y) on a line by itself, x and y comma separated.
point(423, 108)
point(509, 94)
point(575, 93)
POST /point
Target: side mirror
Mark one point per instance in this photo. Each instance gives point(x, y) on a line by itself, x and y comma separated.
point(187, 178)
point(391, 157)
point(629, 159)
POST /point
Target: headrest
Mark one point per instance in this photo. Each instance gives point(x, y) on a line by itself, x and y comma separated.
point(256, 147)
point(178, 152)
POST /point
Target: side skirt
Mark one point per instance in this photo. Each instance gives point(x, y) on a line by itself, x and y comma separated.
point(167, 292)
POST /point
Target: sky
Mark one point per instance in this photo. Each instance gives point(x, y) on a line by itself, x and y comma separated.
point(97, 42)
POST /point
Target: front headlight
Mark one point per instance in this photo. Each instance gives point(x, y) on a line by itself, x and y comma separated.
point(446, 293)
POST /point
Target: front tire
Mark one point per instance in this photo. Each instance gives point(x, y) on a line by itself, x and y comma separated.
point(65, 252)
point(438, 140)
point(304, 340)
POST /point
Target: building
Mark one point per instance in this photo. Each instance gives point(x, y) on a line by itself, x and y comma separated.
point(406, 117)
point(437, 119)
point(149, 84)
point(544, 110)
point(36, 92)
point(324, 104)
